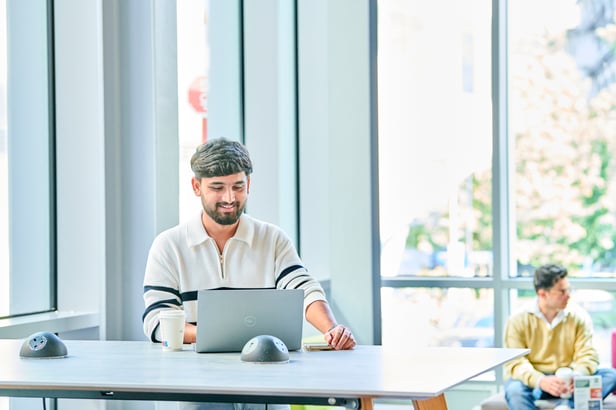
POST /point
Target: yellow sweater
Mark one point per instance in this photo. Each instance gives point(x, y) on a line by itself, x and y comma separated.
point(567, 344)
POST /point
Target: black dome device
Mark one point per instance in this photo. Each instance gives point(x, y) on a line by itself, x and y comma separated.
point(265, 349)
point(44, 345)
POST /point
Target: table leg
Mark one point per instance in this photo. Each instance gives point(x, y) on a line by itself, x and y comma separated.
point(365, 403)
point(434, 403)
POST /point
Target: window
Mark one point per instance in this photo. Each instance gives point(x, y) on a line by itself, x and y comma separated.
point(4, 172)
point(27, 254)
point(435, 170)
point(564, 139)
point(193, 89)
point(209, 82)
point(435, 140)
point(449, 198)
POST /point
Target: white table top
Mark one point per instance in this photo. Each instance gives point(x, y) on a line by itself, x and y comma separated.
point(366, 371)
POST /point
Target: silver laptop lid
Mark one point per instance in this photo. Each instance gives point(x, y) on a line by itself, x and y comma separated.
point(228, 318)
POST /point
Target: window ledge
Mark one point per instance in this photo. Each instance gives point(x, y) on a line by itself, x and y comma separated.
point(23, 326)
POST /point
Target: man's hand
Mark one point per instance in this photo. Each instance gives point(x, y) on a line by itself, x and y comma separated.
point(340, 338)
point(320, 316)
point(190, 333)
point(555, 386)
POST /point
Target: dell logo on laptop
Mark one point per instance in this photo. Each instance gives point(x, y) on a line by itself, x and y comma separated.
point(250, 321)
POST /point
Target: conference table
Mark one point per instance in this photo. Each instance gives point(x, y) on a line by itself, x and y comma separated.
point(134, 370)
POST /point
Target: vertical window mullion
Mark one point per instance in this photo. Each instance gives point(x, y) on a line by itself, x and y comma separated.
point(501, 171)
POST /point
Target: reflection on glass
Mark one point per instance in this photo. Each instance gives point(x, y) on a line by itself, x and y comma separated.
point(562, 121)
point(435, 144)
point(600, 304)
point(420, 317)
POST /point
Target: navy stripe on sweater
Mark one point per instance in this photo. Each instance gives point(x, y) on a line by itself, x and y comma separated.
point(287, 271)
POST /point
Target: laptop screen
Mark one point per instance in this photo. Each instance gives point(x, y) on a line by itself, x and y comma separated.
point(228, 318)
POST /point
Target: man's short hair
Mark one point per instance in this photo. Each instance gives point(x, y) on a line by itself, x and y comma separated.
point(220, 157)
point(546, 276)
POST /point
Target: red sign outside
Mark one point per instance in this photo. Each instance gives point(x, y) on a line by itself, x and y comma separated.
point(197, 98)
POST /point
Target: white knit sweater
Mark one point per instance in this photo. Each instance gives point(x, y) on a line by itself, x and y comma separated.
point(184, 259)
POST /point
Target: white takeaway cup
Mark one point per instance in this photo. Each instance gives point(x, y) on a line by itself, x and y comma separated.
point(172, 328)
point(565, 374)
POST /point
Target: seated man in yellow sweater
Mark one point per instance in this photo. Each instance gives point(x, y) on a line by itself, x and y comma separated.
point(558, 334)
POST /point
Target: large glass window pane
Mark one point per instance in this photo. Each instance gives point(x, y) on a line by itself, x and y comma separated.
point(209, 71)
point(4, 172)
point(193, 88)
point(435, 138)
point(561, 85)
point(27, 236)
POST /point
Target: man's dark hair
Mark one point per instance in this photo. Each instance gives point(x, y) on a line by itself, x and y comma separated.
point(546, 276)
point(220, 157)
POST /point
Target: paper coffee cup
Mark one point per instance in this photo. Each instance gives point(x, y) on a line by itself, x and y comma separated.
point(172, 328)
point(565, 374)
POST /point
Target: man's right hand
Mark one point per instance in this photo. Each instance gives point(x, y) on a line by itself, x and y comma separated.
point(190, 333)
point(555, 386)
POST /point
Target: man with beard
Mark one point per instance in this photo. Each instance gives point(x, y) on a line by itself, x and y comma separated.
point(558, 334)
point(223, 247)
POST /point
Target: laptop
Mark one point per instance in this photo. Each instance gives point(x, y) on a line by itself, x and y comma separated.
point(228, 318)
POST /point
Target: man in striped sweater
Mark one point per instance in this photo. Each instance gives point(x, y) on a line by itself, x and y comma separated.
point(223, 247)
